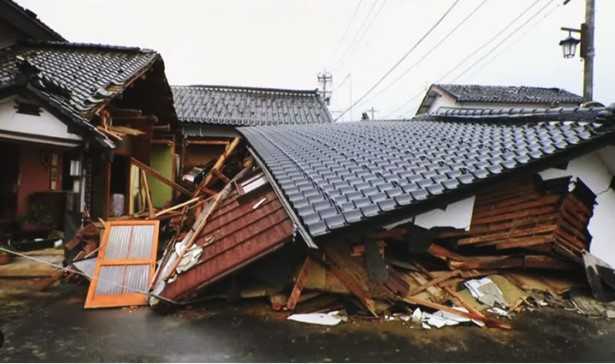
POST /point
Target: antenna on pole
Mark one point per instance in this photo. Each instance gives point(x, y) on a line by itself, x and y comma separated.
point(325, 78)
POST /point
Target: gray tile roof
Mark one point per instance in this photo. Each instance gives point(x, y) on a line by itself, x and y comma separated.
point(510, 94)
point(75, 77)
point(340, 174)
point(242, 106)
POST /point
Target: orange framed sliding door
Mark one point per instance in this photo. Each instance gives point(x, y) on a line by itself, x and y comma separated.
point(125, 265)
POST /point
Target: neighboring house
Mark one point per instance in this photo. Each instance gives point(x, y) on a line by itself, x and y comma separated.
point(208, 115)
point(343, 180)
point(488, 97)
point(71, 118)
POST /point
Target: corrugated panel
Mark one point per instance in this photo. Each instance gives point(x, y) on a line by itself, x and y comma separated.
point(130, 242)
point(125, 264)
point(240, 231)
point(120, 280)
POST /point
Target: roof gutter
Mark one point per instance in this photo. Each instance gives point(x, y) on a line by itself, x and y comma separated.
point(278, 191)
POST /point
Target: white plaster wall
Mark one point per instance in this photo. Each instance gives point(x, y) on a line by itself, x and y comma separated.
point(443, 100)
point(44, 125)
point(457, 215)
point(596, 171)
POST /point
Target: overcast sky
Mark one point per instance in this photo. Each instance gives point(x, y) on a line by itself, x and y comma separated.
point(285, 43)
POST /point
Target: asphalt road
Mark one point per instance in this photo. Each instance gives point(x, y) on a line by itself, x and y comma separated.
point(55, 327)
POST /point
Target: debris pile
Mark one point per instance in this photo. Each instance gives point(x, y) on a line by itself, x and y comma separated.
point(235, 237)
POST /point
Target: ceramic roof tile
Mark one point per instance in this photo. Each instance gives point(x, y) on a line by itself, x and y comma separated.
point(76, 76)
point(419, 160)
point(248, 106)
point(510, 94)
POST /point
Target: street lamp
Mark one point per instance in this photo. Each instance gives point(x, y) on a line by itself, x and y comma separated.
point(569, 46)
point(586, 35)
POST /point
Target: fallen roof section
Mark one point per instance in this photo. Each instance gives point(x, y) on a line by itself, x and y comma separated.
point(338, 175)
point(247, 224)
point(248, 106)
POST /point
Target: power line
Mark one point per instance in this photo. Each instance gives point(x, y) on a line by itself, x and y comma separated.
point(403, 58)
point(341, 83)
point(548, 14)
point(481, 47)
point(440, 42)
point(343, 37)
point(478, 49)
point(369, 26)
point(359, 30)
point(504, 40)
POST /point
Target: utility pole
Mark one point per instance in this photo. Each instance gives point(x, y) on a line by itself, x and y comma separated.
point(589, 50)
point(372, 111)
point(325, 78)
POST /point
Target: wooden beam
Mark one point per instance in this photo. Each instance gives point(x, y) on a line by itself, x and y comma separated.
point(207, 142)
point(292, 301)
point(220, 176)
point(162, 127)
point(150, 171)
point(353, 286)
point(170, 209)
point(152, 118)
point(434, 282)
point(119, 112)
point(218, 165)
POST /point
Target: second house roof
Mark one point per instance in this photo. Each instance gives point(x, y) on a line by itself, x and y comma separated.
point(248, 106)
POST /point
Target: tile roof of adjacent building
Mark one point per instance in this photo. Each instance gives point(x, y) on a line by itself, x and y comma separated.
point(73, 77)
point(540, 96)
point(248, 106)
point(337, 175)
point(27, 21)
point(511, 94)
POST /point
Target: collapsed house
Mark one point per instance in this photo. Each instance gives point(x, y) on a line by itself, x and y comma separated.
point(405, 211)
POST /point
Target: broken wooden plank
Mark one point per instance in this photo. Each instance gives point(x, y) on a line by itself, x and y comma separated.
point(293, 299)
point(178, 206)
point(152, 172)
point(514, 233)
point(218, 165)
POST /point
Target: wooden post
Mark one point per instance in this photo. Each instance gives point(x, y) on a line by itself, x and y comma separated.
point(150, 206)
point(299, 284)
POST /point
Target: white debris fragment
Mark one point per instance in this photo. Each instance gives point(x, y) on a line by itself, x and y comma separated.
point(417, 315)
point(610, 314)
point(486, 292)
point(328, 319)
point(190, 259)
point(498, 311)
point(440, 319)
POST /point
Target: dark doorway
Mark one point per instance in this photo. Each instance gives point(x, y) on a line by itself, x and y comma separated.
point(8, 180)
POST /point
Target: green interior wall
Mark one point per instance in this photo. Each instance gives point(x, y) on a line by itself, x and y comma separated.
point(161, 159)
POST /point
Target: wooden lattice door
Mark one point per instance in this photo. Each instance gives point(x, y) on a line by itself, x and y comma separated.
point(125, 265)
